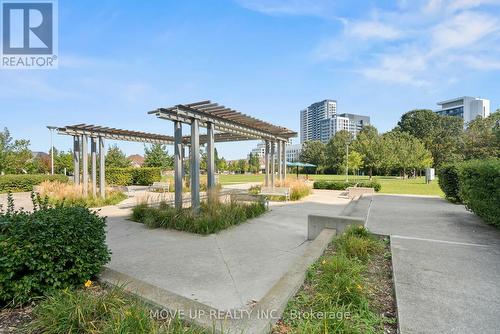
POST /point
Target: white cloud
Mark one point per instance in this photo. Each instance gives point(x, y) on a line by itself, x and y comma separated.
point(288, 7)
point(373, 29)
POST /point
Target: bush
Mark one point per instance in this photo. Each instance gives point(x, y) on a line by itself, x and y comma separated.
point(448, 180)
point(26, 182)
point(51, 248)
point(143, 176)
point(340, 185)
point(480, 188)
point(213, 217)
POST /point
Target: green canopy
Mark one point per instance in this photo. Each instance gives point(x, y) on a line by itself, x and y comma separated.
point(299, 164)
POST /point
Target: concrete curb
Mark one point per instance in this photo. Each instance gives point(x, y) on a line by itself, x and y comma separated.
point(394, 287)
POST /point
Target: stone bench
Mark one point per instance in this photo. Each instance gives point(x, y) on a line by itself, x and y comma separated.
point(244, 197)
point(353, 192)
point(164, 186)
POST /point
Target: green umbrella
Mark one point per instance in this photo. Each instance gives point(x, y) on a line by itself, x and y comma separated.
point(299, 164)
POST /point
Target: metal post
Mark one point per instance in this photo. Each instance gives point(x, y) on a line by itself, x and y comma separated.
point(178, 155)
point(51, 151)
point(347, 163)
point(102, 168)
point(210, 157)
point(85, 165)
point(284, 160)
point(76, 159)
point(93, 162)
point(279, 144)
point(266, 162)
point(195, 165)
point(273, 163)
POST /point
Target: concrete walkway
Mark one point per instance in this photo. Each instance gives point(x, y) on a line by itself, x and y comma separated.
point(446, 265)
point(228, 270)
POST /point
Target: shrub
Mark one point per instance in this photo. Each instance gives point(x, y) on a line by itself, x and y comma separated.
point(94, 310)
point(370, 184)
point(50, 248)
point(357, 243)
point(25, 182)
point(480, 188)
point(213, 216)
point(143, 176)
point(448, 180)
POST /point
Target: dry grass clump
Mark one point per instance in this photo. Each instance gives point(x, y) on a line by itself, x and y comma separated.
point(72, 194)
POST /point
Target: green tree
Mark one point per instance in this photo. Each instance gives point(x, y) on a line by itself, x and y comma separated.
point(336, 150)
point(441, 135)
point(313, 152)
point(222, 165)
point(355, 161)
point(63, 161)
point(241, 166)
point(14, 154)
point(403, 151)
point(116, 158)
point(253, 163)
point(157, 156)
point(368, 144)
point(482, 139)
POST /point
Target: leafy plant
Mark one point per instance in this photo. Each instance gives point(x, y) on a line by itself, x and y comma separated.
point(50, 248)
point(26, 182)
point(144, 176)
point(449, 181)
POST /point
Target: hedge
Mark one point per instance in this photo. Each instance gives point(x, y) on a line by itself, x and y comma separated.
point(479, 182)
point(144, 176)
point(48, 249)
point(340, 185)
point(448, 180)
point(26, 182)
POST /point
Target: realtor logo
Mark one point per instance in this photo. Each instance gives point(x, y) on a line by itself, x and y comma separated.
point(29, 34)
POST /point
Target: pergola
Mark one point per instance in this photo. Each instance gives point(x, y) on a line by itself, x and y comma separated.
point(230, 125)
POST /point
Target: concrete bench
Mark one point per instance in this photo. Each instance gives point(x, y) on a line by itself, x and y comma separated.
point(353, 192)
point(276, 191)
point(164, 186)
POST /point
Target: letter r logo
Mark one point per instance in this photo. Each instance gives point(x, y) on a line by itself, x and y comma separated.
point(27, 28)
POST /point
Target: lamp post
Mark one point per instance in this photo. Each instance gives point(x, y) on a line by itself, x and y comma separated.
point(347, 161)
point(51, 129)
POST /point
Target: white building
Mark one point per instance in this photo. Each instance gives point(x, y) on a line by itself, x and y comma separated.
point(293, 152)
point(311, 117)
point(465, 107)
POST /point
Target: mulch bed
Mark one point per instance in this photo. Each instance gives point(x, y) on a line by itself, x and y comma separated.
point(12, 320)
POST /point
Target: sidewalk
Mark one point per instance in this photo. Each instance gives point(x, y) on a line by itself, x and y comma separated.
point(446, 265)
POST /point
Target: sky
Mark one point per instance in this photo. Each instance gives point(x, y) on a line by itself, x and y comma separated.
point(267, 58)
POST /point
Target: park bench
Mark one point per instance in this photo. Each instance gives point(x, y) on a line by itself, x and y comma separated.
point(164, 186)
point(245, 197)
point(276, 191)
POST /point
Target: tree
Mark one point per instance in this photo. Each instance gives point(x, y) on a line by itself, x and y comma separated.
point(157, 156)
point(63, 161)
point(253, 163)
point(313, 152)
point(336, 150)
point(441, 135)
point(116, 158)
point(368, 144)
point(355, 161)
point(14, 154)
point(403, 151)
point(241, 166)
point(481, 138)
point(222, 165)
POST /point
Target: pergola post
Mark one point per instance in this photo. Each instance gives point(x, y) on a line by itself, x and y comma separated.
point(279, 143)
point(210, 158)
point(102, 168)
point(273, 163)
point(266, 162)
point(178, 157)
point(85, 165)
point(284, 160)
point(93, 155)
point(195, 165)
point(76, 160)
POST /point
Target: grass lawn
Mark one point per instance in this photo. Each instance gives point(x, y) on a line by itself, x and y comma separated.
point(390, 184)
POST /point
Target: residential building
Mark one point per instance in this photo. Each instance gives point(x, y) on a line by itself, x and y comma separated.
point(466, 107)
point(292, 152)
point(320, 121)
point(311, 117)
point(136, 160)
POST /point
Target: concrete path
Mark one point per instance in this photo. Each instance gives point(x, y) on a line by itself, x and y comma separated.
point(446, 265)
point(228, 270)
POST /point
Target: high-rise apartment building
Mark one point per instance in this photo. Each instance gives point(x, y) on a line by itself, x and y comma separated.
point(320, 121)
